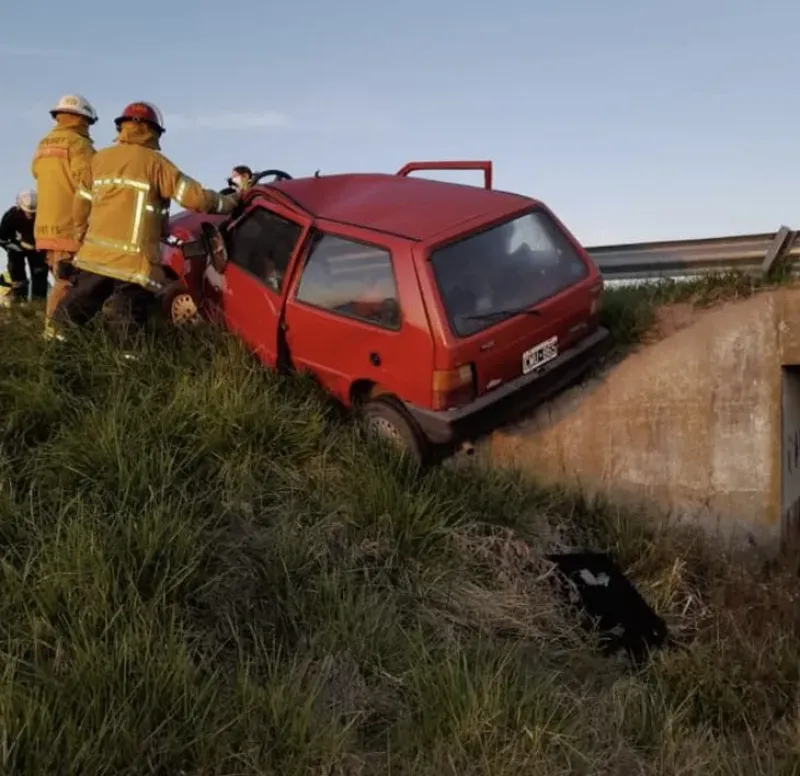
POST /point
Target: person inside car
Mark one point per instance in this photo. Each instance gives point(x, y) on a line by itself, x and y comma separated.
point(241, 178)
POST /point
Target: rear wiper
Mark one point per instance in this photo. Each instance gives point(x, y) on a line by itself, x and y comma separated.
point(507, 313)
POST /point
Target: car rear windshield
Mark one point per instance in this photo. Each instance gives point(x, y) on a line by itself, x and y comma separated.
point(494, 274)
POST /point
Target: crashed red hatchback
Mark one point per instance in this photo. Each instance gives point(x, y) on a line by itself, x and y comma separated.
point(433, 308)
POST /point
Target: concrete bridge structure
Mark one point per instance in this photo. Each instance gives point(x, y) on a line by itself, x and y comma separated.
point(702, 422)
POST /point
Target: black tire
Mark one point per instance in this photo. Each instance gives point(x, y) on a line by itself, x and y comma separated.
point(387, 418)
point(177, 304)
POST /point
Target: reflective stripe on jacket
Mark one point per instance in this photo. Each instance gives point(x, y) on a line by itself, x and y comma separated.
point(123, 205)
point(61, 160)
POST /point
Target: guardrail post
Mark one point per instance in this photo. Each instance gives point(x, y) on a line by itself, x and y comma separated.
point(784, 238)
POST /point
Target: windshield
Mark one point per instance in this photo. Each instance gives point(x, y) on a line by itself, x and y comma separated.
point(504, 271)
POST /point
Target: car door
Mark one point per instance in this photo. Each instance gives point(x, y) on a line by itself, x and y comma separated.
point(343, 316)
point(248, 295)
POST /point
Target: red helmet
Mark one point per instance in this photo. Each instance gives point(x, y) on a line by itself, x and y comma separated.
point(142, 111)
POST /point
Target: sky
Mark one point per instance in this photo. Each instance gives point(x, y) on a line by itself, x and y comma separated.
point(633, 119)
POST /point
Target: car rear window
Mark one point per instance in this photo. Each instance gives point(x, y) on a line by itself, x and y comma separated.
point(485, 278)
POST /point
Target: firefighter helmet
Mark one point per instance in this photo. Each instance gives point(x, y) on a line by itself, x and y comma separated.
point(141, 111)
point(77, 105)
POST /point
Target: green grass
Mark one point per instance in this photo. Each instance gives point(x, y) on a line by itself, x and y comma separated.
point(205, 571)
point(629, 311)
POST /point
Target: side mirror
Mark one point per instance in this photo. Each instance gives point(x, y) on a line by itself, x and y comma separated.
point(214, 244)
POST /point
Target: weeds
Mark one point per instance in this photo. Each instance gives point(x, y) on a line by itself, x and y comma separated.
point(205, 571)
point(629, 311)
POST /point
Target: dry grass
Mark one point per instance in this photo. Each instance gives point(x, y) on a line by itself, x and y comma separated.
point(204, 571)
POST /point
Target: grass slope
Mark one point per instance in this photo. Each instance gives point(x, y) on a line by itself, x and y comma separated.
point(204, 571)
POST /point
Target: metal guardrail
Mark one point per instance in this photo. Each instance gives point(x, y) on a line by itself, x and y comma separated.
point(755, 254)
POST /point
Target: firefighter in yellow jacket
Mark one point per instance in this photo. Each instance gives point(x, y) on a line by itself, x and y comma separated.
point(7, 286)
point(62, 159)
point(120, 213)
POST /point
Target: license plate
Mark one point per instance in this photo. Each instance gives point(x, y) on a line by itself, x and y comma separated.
point(539, 354)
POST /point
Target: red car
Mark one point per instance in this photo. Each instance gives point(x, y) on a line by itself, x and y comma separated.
point(434, 308)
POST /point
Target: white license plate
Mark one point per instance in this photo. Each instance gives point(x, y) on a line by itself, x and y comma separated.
point(539, 354)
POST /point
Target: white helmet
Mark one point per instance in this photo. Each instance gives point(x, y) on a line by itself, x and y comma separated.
point(26, 200)
point(77, 105)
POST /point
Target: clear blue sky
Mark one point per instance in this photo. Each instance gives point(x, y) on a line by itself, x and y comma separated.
point(633, 119)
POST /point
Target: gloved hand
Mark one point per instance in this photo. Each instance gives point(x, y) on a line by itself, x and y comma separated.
point(65, 269)
point(228, 203)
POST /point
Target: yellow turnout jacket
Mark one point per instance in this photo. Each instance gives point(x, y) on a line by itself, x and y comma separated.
point(123, 204)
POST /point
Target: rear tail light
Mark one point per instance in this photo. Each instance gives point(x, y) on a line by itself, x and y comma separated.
point(453, 387)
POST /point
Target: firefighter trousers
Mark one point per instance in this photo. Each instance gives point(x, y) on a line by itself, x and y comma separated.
point(37, 268)
point(59, 263)
point(125, 306)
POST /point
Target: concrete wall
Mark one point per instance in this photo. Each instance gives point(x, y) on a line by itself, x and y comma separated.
point(690, 425)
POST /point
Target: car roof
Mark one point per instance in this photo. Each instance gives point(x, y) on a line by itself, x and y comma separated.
point(409, 207)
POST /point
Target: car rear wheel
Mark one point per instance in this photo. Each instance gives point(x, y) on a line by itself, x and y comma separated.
point(179, 306)
point(388, 420)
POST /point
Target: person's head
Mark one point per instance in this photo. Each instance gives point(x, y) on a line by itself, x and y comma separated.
point(144, 113)
point(241, 177)
point(26, 202)
point(74, 105)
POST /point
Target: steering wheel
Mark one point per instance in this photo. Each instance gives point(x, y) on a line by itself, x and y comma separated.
point(279, 175)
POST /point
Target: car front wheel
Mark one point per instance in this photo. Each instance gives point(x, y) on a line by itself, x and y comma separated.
point(388, 420)
point(179, 307)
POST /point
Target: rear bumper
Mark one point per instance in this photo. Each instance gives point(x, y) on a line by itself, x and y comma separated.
point(526, 391)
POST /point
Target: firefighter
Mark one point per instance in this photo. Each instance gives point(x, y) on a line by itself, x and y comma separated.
point(6, 289)
point(16, 237)
point(127, 194)
point(62, 159)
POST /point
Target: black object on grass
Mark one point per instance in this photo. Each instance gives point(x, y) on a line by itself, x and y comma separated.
point(612, 604)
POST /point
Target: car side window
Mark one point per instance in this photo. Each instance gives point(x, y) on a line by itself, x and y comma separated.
point(352, 279)
point(262, 243)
